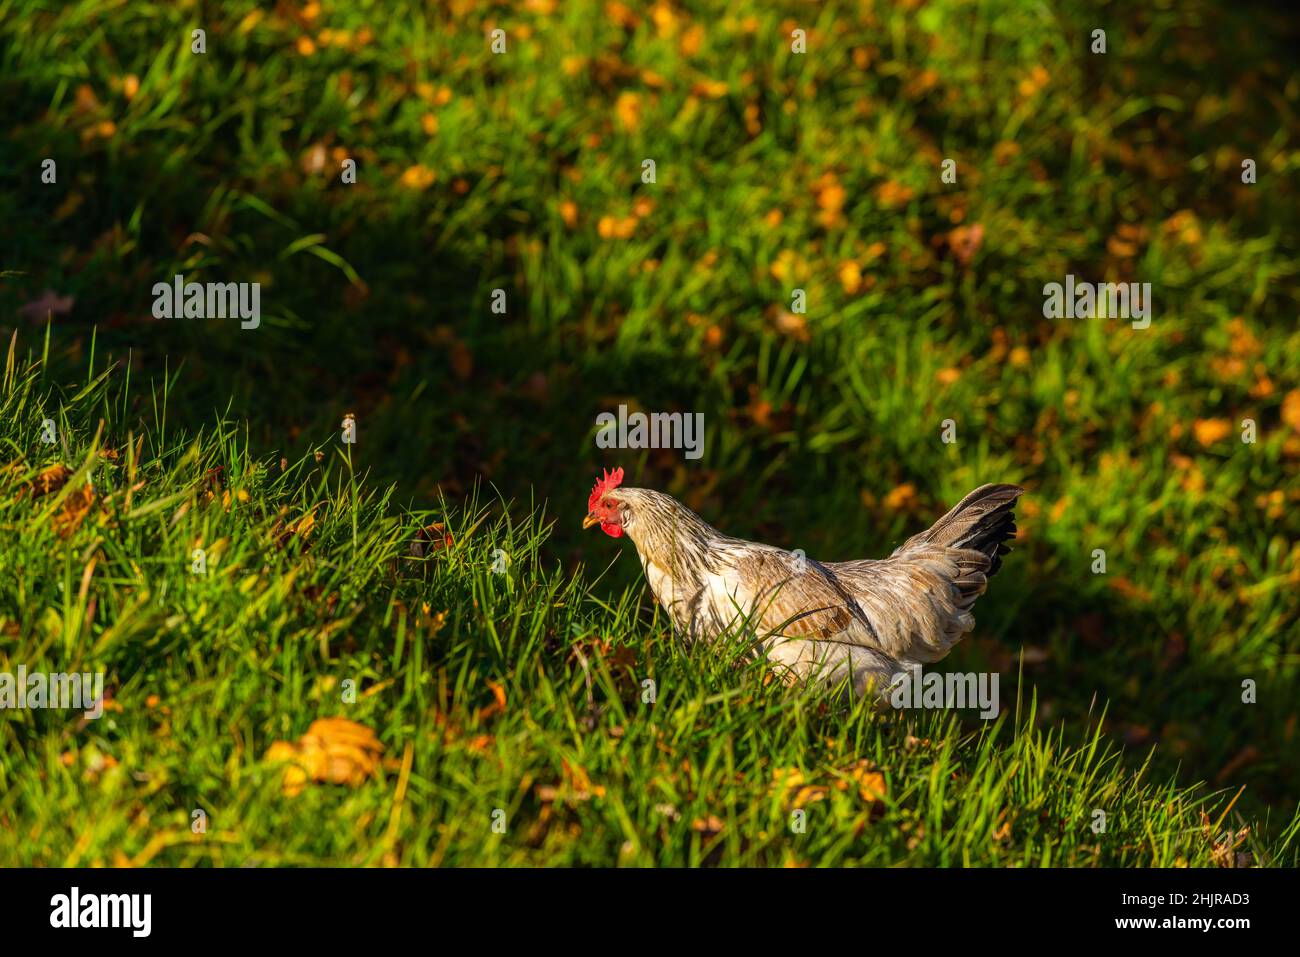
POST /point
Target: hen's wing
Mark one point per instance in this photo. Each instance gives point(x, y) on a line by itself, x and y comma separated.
point(804, 617)
point(905, 608)
point(794, 596)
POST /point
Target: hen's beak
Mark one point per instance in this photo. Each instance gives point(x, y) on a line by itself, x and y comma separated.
point(589, 521)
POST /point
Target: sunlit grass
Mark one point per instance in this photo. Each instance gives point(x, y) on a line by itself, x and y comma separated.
point(208, 665)
point(523, 172)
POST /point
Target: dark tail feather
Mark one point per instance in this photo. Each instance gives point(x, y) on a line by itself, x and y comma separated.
point(984, 521)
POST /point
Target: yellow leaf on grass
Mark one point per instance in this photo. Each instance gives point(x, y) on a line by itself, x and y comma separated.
point(1210, 431)
point(870, 782)
point(1291, 410)
point(850, 277)
point(900, 497)
point(417, 177)
point(628, 110)
point(333, 751)
point(304, 525)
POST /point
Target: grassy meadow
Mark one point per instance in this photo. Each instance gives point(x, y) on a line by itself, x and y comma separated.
point(197, 531)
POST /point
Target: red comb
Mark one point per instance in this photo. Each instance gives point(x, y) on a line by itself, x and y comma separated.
point(610, 481)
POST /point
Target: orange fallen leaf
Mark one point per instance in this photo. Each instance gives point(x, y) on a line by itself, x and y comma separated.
point(431, 538)
point(498, 705)
point(1210, 431)
point(579, 784)
point(333, 751)
point(965, 241)
point(870, 782)
point(74, 510)
point(628, 110)
point(462, 360)
point(1129, 590)
point(50, 479)
point(1291, 410)
point(303, 527)
point(418, 177)
point(900, 497)
point(613, 227)
point(850, 275)
point(708, 826)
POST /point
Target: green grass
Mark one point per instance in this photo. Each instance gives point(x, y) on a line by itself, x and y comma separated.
point(821, 435)
point(206, 669)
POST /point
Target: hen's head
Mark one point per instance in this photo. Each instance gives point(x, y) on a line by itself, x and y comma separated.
point(651, 519)
point(604, 507)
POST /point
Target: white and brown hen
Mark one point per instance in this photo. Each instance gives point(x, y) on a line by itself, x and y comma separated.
point(865, 620)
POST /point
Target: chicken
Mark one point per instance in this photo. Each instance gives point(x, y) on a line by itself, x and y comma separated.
point(865, 621)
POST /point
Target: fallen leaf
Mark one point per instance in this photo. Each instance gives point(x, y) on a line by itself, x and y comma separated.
point(870, 782)
point(73, 511)
point(430, 539)
point(900, 498)
point(333, 751)
point(498, 705)
point(579, 786)
point(791, 324)
point(708, 826)
point(418, 177)
point(965, 241)
point(628, 110)
point(1291, 410)
point(1210, 431)
point(303, 527)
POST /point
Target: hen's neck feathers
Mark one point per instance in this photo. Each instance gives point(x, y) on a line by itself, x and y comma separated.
point(667, 532)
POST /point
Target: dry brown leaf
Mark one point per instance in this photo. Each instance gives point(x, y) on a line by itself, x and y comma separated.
point(628, 110)
point(1129, 590)
point(74, 510)
point(333, 751)
point(1223, 848)
point(50, 479)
